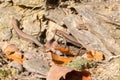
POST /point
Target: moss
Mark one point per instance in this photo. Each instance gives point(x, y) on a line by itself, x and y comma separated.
point(81, 63)
point(6, 74)
point(3, 73)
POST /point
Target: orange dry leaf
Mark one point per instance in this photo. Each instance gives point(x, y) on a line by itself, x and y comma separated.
point(13, 53)
point(64, 50)
point(60, 59)
point(95, 55)
point(63, 73)
point(17, 56)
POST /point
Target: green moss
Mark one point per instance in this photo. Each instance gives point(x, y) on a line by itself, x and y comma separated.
point(81, 63)
point(3, 73)
point(8, 72)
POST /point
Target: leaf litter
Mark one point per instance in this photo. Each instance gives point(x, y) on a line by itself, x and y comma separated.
point(78, 27)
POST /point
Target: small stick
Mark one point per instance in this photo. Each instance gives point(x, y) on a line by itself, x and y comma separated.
point(113, 57)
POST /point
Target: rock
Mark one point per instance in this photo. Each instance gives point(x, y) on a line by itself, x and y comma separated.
point(32, 53)
point(5, 22)
point(118, 41)
point(57, 15)
point(28, 55)
point(16, 65)
point(51, 28)
point(29, 3)
point(5, 16)
point(117, 34)
point(31, 25)
point(6, 34)
point(36, 65)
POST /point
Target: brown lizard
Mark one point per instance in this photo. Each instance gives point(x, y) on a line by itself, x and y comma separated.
point(22, 34)
point(68, 37)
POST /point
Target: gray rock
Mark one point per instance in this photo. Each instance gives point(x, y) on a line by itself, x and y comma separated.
point(6, 34)
point(51, 30)
point(56, 15)
point(5, 21)
point(36, 65)
point(16, 65)
point(31, 25)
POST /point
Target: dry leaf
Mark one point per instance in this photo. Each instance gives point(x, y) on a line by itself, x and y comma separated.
point(63, 73)
point(13, 53)
point(56, 72)
point(86, 75)
point(16, 56)
point(7, 47)
point(65, 51)
point(78, 75)
point(61, 60)
point(95, 55)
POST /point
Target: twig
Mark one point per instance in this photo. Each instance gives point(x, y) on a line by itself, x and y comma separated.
point(113, 57)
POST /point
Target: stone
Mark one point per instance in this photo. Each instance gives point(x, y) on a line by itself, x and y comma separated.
point(51, 30)
point(57, 15)
point(31, 25)
point(36, 65)
point(29, 3)
point(6, 34)
point(16, 65)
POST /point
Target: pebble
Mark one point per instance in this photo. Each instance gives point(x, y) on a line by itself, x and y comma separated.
point(16, 65)
point(36, 65)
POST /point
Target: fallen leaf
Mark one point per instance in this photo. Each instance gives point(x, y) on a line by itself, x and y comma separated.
point(16, 56)
point(86, 75)
point(64, 73)
point(56, 72)
point(95, 55)
point(13, 53)
point(61, 60)
point(65, 51)
point(7, 47)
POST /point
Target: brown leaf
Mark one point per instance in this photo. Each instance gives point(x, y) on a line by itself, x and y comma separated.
point(63, 73)
point(95, 55)
point(65, 51)
point(13, 53)
point(56, 72)
point(17, 56)
point(7, 47)
point(61, 60)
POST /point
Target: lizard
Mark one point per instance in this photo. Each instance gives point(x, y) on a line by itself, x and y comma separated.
point(24, 35)
point(68, 38)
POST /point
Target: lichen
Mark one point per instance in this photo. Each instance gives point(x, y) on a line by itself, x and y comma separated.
point(3, 73)
point(81, 63)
